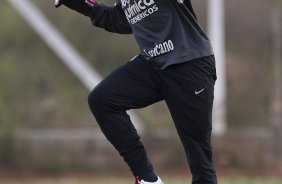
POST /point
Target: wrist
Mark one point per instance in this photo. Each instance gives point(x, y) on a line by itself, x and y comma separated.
point(82, 6)
point(90, 2)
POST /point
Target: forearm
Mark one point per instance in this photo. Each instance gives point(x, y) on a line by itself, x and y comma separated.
point(81, 6)
point(111, 18)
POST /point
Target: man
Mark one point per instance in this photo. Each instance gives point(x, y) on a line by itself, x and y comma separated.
point(175, 64)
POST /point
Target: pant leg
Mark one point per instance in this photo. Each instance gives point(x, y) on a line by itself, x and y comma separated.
point(128, 87)
point(189, 91)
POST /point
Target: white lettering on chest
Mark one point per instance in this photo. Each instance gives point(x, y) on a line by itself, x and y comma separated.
point(136, 10)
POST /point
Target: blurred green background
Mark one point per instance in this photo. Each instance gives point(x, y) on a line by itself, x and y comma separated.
point(38, 93)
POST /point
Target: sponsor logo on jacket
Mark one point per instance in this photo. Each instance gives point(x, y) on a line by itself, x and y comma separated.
point(160, 49)
point(136, 10)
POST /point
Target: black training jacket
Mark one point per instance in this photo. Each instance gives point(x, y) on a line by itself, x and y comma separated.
point(166, 31)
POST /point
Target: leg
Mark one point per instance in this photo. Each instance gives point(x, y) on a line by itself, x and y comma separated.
point(130, 86)
point(189, 95)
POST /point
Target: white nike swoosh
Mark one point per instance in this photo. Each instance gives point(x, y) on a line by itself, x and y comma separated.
point(198, 92)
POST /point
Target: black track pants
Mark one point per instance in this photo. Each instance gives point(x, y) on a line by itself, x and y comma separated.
point(188, 90)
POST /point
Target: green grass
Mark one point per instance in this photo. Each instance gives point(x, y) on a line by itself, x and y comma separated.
point(130, 181)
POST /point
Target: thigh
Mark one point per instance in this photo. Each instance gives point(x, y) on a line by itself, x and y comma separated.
point(132, 85)
point(189, 91)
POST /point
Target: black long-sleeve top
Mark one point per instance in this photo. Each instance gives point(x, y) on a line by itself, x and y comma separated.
point(166, 31)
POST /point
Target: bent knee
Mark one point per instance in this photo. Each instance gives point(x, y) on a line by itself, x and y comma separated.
point(96, 99)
